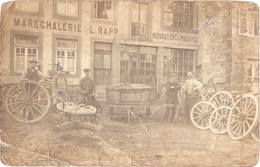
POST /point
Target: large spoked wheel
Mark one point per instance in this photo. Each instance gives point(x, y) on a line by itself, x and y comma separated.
point(200, 114)
point(222, 98)
point(27, 101)
point(218, 120)
point(243, 117)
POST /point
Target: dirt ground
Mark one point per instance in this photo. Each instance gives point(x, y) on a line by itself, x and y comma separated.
point(146, 143)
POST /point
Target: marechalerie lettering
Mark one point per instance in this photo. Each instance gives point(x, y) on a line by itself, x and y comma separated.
point(29, 23)
point(175, 37)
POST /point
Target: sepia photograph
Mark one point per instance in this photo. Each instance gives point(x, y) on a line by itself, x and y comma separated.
point(129, 83)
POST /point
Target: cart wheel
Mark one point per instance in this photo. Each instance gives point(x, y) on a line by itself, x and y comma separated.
point(255, 133)
point(222, 98)
point(209, 95)
point(27, 101)
point(218, 120)
point(243, 117)
point(200, 114)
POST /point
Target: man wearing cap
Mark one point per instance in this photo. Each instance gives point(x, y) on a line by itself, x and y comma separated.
point(32, 73)
point(59, 86)
point(190, 87)
point(86, 90)
point(171, 93)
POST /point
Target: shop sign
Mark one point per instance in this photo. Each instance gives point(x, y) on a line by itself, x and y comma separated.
point(189, 38)
point(103, 30)
point(51, 25)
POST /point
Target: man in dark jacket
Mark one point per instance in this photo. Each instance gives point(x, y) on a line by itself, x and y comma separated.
point(86, 90)
point(32, 73)
point(172, 87)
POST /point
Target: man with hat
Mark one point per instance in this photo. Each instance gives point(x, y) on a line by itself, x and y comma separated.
point(172, 100)
point(86, 92)
point(191, 86)
point(32, 73)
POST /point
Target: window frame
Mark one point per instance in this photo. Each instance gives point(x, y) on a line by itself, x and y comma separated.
point(12, 59)
point(251, 66)
point(78, 53)
point(148, 20)
point(250, 19)
point(165, 76)
point(195, 20)
point(17, 12)
point(114, 5)
point(79, 11)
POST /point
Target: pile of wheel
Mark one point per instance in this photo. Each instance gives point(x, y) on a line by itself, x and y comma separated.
point(221, 114)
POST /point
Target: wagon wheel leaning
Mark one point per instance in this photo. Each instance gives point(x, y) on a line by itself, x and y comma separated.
point(218, 120)
point(243, 117)
point(222, 98)
point(200, 114)
point(27, 101)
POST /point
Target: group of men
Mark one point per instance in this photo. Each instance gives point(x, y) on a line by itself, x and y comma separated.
point(59, 87)
point(190, 87)
point(86, 90)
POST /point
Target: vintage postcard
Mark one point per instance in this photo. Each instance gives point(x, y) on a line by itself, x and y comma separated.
point(129, 83)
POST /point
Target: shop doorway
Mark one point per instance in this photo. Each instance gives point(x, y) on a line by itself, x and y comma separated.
point(102, 63)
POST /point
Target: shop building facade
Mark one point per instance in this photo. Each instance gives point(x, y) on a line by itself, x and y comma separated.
point(131, 41)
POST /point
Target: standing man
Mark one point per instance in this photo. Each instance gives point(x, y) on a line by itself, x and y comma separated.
point(86, 90)
point(59, 86)
point(32, 73)
point(172, 87)
point(191, 86)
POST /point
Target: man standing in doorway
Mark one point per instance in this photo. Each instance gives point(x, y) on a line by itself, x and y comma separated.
point(191, 86)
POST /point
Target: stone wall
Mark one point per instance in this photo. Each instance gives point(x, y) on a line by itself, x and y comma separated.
point(214, 41)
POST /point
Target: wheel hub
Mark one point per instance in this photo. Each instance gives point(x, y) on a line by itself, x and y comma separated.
point(242, 117)
point(27, 101)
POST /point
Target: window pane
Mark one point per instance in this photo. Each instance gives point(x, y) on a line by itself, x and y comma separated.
point(104, 10)
point(106, 61)
point(98, 61)
point(67, 8)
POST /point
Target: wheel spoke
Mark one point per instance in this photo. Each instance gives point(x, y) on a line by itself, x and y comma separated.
point(20, 113)
point(14, 103)
point(16, 108)
point(40, 100)
point(39, 105)
point(32, 112)
point(37, 95)
point(235, 125)
point(37, 109)
point(238, 128)
point(252, 108)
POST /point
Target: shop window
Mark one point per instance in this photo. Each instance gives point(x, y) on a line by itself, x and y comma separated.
point(27, 6)
point(67, 8)
point(25, 49)
point(102, 63)
point(138, 64)
point(66, 54)
point(178, 61)
point(104, 10)
point(253, 70)
point(249, 21)
point(179, 15)
point(139, 19)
